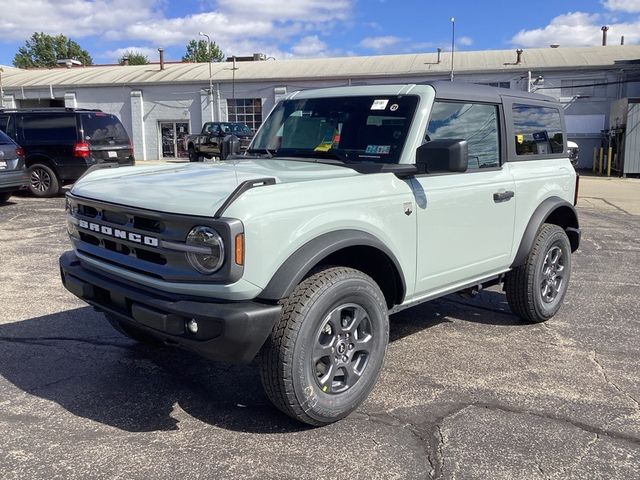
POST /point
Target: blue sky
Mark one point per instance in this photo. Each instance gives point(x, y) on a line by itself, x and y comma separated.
point(314, 28)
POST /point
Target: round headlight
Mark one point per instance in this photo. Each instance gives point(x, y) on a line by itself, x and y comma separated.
point(208, 254)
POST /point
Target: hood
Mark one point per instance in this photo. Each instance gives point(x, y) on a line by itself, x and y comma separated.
point(194, 188)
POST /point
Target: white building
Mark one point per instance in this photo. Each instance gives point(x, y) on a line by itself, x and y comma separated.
point(159, 105)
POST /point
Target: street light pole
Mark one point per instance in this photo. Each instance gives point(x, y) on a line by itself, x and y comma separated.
point(453, 43)
point(1, 90)
point(210, 77)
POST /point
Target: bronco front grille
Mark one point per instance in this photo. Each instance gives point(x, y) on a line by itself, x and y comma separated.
point(145, 241)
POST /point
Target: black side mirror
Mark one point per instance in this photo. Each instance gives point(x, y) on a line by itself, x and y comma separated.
point(443, 155)
point(230, 146)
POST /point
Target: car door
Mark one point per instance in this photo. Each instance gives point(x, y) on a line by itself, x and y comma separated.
point(465, 220)
point(206, 145)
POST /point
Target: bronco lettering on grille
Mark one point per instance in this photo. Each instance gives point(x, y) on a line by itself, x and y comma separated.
point(117, 233)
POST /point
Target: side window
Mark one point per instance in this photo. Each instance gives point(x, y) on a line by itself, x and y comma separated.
point(538, 130)
point(474, 122)
point(49, 128)
point(8, 125)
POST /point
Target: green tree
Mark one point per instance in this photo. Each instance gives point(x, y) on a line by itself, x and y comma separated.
point(135, 58)
point(43, 50)
point(198, 52)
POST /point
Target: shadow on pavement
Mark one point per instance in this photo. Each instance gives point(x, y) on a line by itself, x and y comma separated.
point(75, 359)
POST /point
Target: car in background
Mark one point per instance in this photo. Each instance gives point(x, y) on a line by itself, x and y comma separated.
point(13, 175)
point(208, 143)
point(60, 144)
point(573, 150)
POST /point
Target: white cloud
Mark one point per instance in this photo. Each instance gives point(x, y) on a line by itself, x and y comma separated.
point(308, 11)
point(74, 18)
point(576, 29)
point(310, 46)
point(630, 6)
point(380, 43)
point(115, 55)
point(238, 26)
point(465, 41)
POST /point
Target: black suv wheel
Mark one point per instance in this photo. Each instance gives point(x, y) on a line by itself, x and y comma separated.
point(535, 290)
point(43, 181)
point(325, 354)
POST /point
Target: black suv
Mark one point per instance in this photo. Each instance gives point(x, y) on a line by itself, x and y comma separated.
point(60, 144)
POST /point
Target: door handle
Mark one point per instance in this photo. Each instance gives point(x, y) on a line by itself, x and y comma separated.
point(503, 196)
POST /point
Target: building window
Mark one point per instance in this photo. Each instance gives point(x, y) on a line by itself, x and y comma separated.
point(588, 87)
point(245, 110)
point(496, 84)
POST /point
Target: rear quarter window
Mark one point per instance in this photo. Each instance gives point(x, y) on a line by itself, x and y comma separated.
point(103, 128)
point(49, 128)
point(4, 139)
point(538, 130)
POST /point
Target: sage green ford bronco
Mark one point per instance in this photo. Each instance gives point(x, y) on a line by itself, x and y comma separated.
point(349, 205)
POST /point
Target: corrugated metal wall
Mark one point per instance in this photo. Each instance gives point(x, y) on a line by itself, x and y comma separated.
point(632, 142)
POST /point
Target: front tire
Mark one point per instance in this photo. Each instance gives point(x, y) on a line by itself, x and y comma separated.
point(43, 182)
point(536, 290)
point(325, 353)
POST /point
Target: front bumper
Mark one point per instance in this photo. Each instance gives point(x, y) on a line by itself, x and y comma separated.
point(11, 180)
point(227, 331)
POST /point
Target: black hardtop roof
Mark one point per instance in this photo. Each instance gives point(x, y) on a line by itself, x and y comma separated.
point(49, 110)
point(482, 93)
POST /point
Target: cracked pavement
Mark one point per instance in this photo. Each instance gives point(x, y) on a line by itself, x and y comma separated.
point(467, 391)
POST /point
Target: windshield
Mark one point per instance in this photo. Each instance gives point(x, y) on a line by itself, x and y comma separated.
point(103, 129)
point(352, 129)
point(240, 129)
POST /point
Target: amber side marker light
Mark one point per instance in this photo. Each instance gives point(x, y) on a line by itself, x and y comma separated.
point(240, 249)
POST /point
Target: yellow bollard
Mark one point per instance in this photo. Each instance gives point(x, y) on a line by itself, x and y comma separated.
point(595, 159)
point(601, 155)
point(609, 157)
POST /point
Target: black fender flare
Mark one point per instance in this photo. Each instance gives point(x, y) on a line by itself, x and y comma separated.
point(302, 261)
point(541, 214)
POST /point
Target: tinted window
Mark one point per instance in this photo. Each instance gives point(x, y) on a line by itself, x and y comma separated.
point(103, 129)
point(4, 140)
point(4, 122)
point(538, 130)
point(476, 123)
point(49, 128)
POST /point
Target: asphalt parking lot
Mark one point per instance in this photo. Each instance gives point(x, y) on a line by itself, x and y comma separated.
point(467, 391)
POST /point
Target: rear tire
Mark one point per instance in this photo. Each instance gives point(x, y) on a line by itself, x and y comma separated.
point(132, 332)
point(536, 289)
point(43, 182)
point(4, 197)
point(325, 353)
point(193, 155)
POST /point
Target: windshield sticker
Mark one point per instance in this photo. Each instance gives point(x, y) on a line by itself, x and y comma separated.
point(378, 149)
point(379, 105)
point(394, 107)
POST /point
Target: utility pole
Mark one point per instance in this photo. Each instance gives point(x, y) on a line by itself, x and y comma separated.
point(453, 42)
point(1, 90)
point(210, 77)
point(233, 81)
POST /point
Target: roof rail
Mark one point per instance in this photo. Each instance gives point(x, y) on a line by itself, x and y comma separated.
point(49, 109)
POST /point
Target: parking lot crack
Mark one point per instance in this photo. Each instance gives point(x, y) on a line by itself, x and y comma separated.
point(602, 432)
point(603, 372)
point(50, 341)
